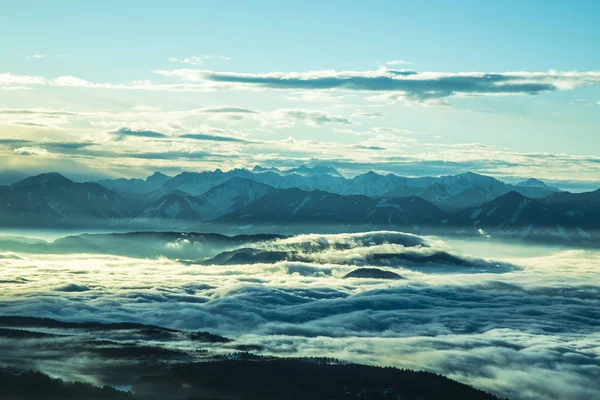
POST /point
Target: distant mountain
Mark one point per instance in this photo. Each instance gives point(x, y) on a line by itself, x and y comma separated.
point(303, 170)
point(581, 209)
point(174, 205)
point(258, 169)
point(52, 197)
point(139, 186)
point(295, 205)
point(316, 170)
point(455, 192)
point(231, 195)
point(462, 202)
point(518, 215)
point(536, 183)
point(511, 210)
point(373, 184)
point(449, 192)
point(197, 183)
point(456, 184)
point(219, 200)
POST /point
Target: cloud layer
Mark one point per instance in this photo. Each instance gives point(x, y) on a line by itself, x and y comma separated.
point(505, 330)
point(420, 86)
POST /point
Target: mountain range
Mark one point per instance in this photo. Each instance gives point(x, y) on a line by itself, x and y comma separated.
point(447, 192)
point(466, 202)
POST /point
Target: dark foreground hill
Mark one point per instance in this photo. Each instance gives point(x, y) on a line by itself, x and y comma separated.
point(156, 363)
point(251, 378)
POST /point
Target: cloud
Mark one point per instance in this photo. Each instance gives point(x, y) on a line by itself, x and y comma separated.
point(16, 88)
point(31, 151)
point(33, 111)
point(365, 147)
point(170, 155)
point(143, 108)
point(214, 138)
point(227, 110)
point(19, 144)
point(11, 79)
point(418, 86)
point(124, 132)
point(391, 84)
point(367, 115)
point(284, 117)
point(526, 333)
point(198, 60)
point(316, 96)
point(398, 62)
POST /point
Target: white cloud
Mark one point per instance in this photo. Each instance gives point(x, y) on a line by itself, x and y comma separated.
point(314, 97)
point(423, 87)
point(16, 88)
point(198, 60)
point(283, 118)
point(524, 333)
point(398, 62)
point(31, 151)
point(367, 115)
point(429, 88)
point(143, 108)
point(11, 79)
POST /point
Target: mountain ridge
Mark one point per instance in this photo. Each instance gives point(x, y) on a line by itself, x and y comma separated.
point(232, 198)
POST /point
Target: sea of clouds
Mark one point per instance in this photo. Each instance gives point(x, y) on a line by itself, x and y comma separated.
point(520, 322)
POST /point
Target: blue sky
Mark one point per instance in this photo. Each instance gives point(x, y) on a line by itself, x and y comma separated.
point(75, 73)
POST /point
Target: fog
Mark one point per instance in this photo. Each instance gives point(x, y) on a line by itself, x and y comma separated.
point(521, 321)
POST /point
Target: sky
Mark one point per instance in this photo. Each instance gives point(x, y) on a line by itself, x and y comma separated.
point(106, 89)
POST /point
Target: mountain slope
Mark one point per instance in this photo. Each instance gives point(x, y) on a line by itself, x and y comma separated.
point(138, 186)
point(52, 197)
point(582, 209)
point(295, 205)
point(511, 210)
point(219, 200)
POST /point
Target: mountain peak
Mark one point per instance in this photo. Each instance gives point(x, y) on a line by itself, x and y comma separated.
point(157, 176)
point(258, 169)
point(371, 174)
point(46, 178)
point(513, 195)
point(532, 182)
point(314, 170)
